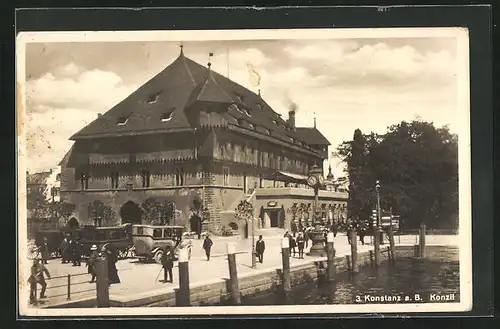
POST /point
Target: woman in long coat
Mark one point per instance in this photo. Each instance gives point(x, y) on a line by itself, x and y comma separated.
point(111, 258)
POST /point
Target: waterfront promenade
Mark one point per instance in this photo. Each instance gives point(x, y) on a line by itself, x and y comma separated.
point(138, 280)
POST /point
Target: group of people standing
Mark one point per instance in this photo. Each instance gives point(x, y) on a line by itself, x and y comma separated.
point(71, 250)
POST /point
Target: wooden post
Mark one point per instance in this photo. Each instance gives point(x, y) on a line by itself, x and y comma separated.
point(376, 247)
point(416, 251)
point(330, 254)
point(69, 287)
point(422, 241)
point(285, 258)
point(354, 251)
point(348, 260)
point(390, 233)
point(233, 275)
point(184, 294)
point(371, 258)
point(102, 284)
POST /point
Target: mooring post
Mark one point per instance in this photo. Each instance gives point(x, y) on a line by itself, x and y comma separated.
point(422, 240)
point(285, 258)
point(68, 297)
point(376, 247)
point(233, 275)
point(102, 284)
point(330, 256)
point(354, 251)
point(371, 258)
point(184, 294)
point(390, 233)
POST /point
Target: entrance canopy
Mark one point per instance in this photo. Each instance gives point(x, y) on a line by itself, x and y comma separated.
point(288, 177)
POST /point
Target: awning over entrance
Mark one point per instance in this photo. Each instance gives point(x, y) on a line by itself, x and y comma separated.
point(285, 176)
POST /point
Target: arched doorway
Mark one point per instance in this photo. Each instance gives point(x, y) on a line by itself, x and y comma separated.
point(195, 224)
point(72, 223)
point(131, 213)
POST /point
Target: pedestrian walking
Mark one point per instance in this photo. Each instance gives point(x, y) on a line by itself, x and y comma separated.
point(292, 243)
point(37, 277)
point(207, 245)
point(260, 247)
point(306, 237)
point(111, 258)
point(167, 262)
point(91, 263)
point(65, 250)
point(77, 253)
point(45, 250)
point(300, 244)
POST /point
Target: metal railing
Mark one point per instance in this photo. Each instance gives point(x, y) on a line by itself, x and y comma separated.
point(67, 281)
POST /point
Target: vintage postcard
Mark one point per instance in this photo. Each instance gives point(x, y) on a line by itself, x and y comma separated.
point(244, 172)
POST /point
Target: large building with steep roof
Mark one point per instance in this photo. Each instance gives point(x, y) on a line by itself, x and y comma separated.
point(192, 137)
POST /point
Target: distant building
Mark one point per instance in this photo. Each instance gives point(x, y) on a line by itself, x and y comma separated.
point(47, 182)
point(199, 140)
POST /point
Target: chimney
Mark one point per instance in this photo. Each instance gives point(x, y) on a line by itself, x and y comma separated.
point(99, 115)
point(291, 118)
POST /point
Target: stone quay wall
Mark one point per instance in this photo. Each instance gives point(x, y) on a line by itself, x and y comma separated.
point(269, 280)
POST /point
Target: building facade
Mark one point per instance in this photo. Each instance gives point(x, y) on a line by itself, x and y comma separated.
point(190, 137)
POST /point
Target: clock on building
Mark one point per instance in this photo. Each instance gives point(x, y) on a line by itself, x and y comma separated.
point(312, 180)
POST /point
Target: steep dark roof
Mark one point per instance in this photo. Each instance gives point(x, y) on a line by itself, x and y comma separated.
point(64, 161)
point(311, 136)
point(177, 87)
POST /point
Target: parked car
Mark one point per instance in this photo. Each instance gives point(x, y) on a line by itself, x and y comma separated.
point(149, 241)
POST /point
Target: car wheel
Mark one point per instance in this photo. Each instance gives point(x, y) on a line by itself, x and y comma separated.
point(158, 256)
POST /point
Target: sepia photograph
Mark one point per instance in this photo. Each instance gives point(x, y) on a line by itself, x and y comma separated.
point(243, 172)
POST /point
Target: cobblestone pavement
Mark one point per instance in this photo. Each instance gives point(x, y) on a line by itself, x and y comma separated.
point(140, 278)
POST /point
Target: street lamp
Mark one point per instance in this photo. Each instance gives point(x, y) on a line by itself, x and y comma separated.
point(315, 180)
point(376, 231)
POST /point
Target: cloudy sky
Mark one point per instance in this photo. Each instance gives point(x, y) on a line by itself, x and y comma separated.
point(346, 83)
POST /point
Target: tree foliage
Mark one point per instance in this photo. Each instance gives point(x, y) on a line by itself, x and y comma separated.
point(156, 212)
point(244, 211)
point(102, 212)
point(417, 165)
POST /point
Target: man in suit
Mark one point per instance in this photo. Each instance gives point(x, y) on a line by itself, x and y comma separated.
point(37, 277)
point(167, 262)
point(260, 246)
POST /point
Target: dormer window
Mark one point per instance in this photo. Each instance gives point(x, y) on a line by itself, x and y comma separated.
point(153, 98)
point(274, 122)
point(248, 112)
point(259, 106)
point(167, 116)
point(235, 107)
point(121, 121)
point(268, 132)
point(252, 126)
point(240, 97)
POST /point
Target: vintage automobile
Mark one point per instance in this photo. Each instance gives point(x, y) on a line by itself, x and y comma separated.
point(118, 236)
point(149, 241)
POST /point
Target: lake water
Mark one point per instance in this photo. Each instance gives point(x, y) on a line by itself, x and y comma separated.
point(429, 278)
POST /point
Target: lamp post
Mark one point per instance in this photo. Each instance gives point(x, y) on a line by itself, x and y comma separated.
point(376, 233)
point(316, 180)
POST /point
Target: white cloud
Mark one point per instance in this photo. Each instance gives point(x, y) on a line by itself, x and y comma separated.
point(90, 90)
